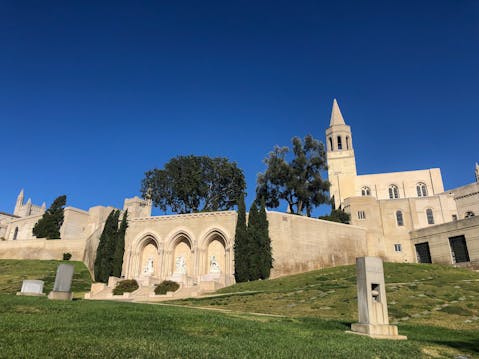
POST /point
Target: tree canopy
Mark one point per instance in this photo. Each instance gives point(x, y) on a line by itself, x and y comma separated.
point(299, 181)
point(49, 225)
point(194, 184)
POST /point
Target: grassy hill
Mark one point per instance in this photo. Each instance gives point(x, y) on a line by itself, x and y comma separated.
point(13, 272)
point(311, 311)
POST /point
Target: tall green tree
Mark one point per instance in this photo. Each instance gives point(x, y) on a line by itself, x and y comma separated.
point(299, 181)
point(194, 184)
point(103, 266)
point(120, 247)
point(49, 225)
point(254, 243)
point(265, 253)
point(241, 244)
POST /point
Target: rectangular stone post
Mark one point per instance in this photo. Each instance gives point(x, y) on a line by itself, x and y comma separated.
point(63, 283)
point(372, 303)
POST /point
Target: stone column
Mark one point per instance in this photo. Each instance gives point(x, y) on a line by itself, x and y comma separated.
point(372, 303)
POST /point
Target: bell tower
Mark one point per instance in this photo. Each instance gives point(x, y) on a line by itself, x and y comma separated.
point(340, 157)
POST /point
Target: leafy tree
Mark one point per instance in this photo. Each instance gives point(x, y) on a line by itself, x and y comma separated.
point(337, 215)
point(49, 225)
point(120, 247)
point(194, 184)
point(299, 181)
point(241, 244)
point(254, 243)
point(266, 257)
point(106, 248)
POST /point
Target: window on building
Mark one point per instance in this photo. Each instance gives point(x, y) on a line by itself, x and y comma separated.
point(469, 214)
point(397, 247)
point(340, 144)
point(393, 191)
point(459, 250)
point(430, 216)
point(421, 190)
point(347, 142)
point(15, 233)
point(365, 191)
point(330, 144)
point(399, 218)
point(361, 215)
point(454, 217)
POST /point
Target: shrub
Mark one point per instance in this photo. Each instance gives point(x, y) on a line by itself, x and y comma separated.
point(125, 286)
point(166, 286)
point(67, 256)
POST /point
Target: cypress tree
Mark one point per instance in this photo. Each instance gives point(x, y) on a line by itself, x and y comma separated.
point(106, 248)
point(49, 225)
point(266, 257)
point(241, 244)
point(254, 238)
point(120, 247)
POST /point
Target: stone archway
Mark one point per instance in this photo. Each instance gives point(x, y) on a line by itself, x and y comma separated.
point(150, 261)
point(182, 262)
point(215, 262)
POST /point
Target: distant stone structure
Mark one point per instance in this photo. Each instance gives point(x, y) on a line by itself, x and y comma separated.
point(372, 302)
point(399, 216)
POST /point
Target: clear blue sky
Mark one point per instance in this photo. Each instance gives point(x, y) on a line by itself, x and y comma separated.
point(92, 95)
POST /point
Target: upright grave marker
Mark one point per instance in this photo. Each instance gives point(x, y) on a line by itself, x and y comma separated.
point(372, 303)
point(63, 283)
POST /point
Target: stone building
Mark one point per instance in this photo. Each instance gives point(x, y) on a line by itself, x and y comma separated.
point(400, 216)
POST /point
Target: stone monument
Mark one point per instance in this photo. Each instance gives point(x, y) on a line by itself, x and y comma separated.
point(372, 303)
point(63, 283)
point(32, 287)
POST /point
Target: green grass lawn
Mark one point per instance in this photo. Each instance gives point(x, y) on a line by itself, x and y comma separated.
point(37, 327)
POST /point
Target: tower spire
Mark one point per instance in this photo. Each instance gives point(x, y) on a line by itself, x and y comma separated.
point(477, 172)
point(336, 116)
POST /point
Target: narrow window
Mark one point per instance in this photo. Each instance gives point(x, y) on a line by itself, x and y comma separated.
point(365, 191)
point(399, 218)
point(393, 191)
point(361, 215)
point(421, 189)
point(347, 142)
point(340, 144)
point(454, 217)
point(430, 216)
point(15, 234)
point(469, 214)
point(330, 144)
point(397, 247)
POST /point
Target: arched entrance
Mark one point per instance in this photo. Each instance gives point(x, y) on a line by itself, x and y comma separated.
point(215, 255)
point(182, 262)
point(150, 261)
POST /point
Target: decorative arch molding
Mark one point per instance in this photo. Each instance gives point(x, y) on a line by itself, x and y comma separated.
point(143, 237)
point(206, 237)
point(174, 237)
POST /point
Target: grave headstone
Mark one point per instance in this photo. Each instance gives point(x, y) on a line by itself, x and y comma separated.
point(63, 283)
point(372, 303)
point(32, 287)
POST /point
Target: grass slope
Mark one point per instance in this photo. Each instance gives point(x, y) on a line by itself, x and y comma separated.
point(13, 272)
point(317, 308)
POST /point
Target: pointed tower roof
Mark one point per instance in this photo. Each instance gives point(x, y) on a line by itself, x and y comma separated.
point(29, 201)
point(21, 193)
point(336, 116)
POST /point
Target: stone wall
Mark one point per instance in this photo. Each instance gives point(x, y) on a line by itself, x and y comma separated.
point(42, 249)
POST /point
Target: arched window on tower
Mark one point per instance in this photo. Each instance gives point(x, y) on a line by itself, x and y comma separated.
point(393, 191)
point(331, 144)
point(347, 143)
point(430, 216)
point(399, 218)
point(340, 144)
point(421, 189)
point(469, 214)
point(365, 191)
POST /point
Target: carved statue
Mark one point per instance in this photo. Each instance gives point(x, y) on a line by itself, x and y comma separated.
point(149, 269)
point(180, 265)
point(214, 266)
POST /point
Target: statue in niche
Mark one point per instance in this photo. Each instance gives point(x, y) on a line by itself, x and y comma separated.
point(214, 266)
point(149, 268)
point(180, 266)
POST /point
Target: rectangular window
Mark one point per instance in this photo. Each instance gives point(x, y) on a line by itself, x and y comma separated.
point(361, 215)
point(459, 250)
point(454, 217)
point(397, 247)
